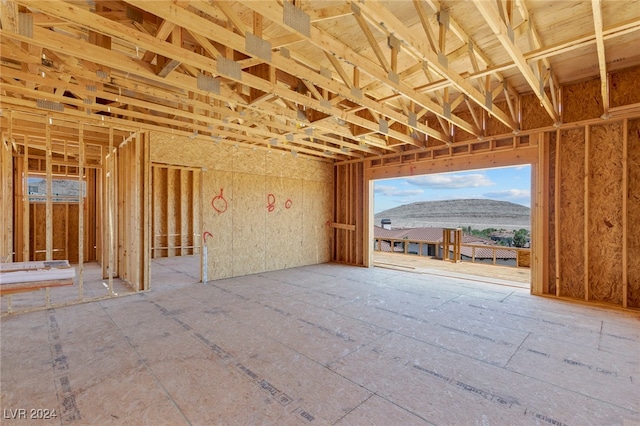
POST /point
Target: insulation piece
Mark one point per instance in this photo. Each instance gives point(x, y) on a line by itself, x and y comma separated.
point(229, 68)
point(285, 52)
point(289, 137)
point(25, 24)
point(50, 105)
point(296, 19)
point(208, 83)
point(256, 46)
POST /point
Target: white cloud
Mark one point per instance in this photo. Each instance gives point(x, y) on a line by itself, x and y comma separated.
point(392, 191)
point(514, 194)
point(449, 181)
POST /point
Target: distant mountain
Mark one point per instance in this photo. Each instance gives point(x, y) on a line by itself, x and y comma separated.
point(477, 213)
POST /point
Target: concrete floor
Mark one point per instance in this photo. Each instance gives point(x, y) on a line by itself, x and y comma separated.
point(324, 344)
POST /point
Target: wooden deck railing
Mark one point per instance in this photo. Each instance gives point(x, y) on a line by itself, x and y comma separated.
point(475, 253)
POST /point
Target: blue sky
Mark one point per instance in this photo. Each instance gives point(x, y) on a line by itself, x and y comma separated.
point(504, 184)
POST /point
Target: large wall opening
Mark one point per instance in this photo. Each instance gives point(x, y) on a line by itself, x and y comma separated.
point(491, 207)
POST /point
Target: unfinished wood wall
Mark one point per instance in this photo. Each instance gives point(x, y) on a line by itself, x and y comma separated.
point(596, 242)
point(588, 200)
point(633, 213)
point(262, 210)
point(132, 196)
point(349, 217)
point(6, 192)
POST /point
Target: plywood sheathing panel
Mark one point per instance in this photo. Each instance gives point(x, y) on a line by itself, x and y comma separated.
point(242, 236)
point(461, 135)
point(624, 87)
point(633, 214)
point(581, 101)
point(551, 202)
point(173, 210)
point(497, 127)
point(317, 212)
point(605, 213)
point(248, 227)
point(72, 239)
point(218, 210)
point(158, 183)
point(534, 115)
point(283, 211)
point(571, 221)
point(246, 160)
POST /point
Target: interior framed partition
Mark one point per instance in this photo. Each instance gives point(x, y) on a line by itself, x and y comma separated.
point(70, 191)
point(176, 210)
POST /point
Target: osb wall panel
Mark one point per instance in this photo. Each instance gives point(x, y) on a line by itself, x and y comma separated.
point(572, 217)
point(73, 242)
point(317, 210)
point(624, 87)
point(217, 215)
point(64, 220)
point(283, 210)
point(173, 209)
point(633, 214)
point(186, 213)
point(581, 101)
point(551, 202)
point(247, 160)
point(496, 127)
point(605, 213)
point(461, 135)
point(159, 239)
point(60, 227)
point(242, 236)
point(248, 227)
point(534, 115)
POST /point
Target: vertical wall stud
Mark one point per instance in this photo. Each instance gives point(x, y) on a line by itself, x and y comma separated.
point(81, 206)
point(557, 212)
point(587, 135)
point(625, 195)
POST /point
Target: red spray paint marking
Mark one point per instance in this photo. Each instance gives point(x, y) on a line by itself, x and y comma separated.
point(271, 200)
point(219, 203)
point(205, 235)
point(288, 203)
